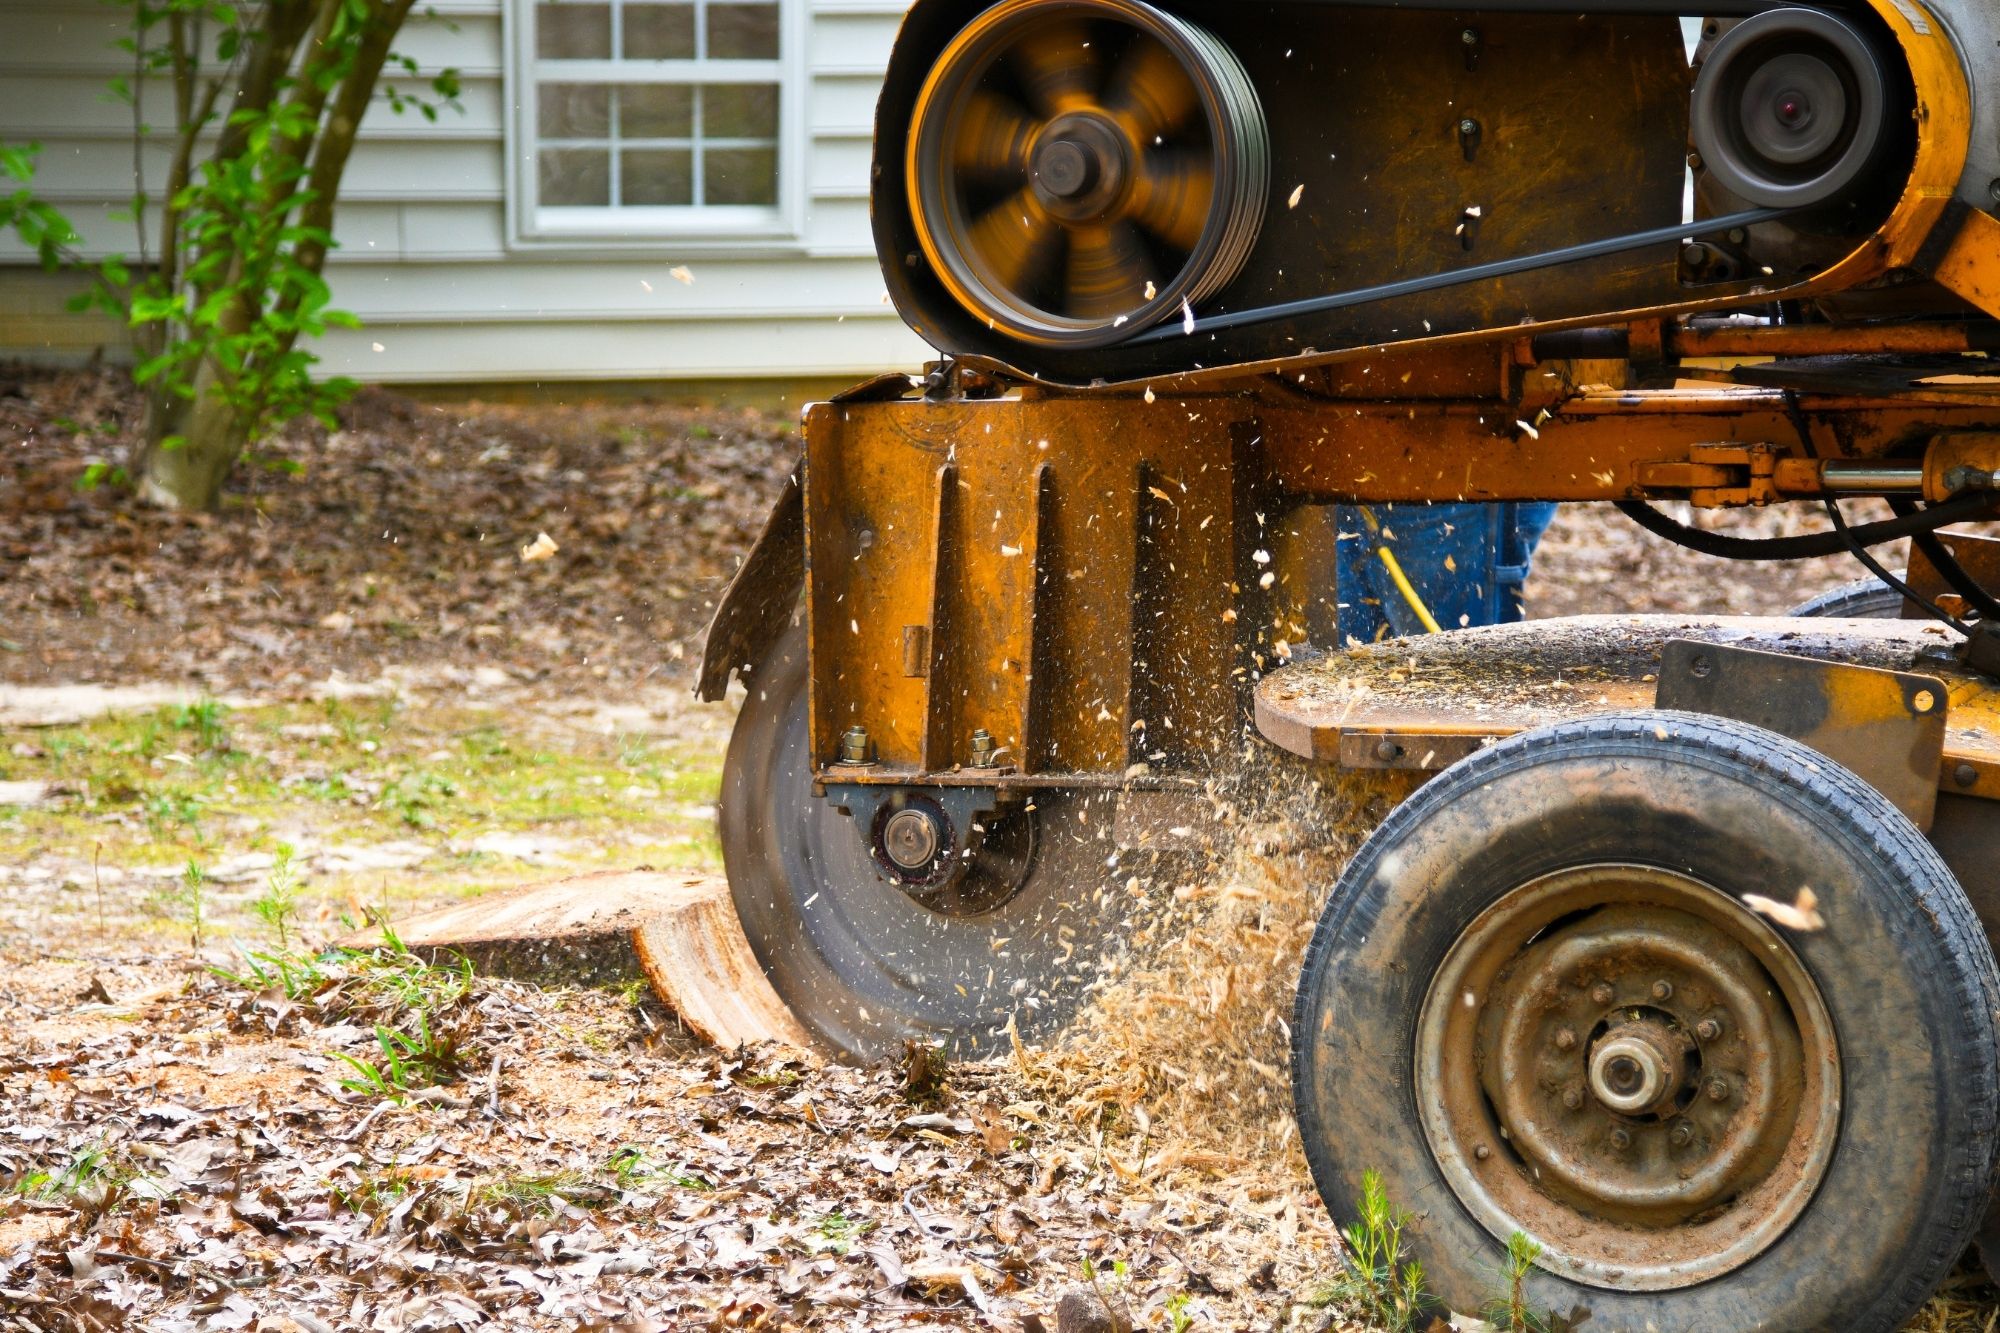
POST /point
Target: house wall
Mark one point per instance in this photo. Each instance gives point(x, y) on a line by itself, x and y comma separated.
point(425, 258)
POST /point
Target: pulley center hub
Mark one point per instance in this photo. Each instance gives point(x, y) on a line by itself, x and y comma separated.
point(1079, 166)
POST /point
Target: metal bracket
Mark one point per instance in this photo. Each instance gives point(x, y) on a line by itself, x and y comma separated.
point(961, 809)
point(1887, 727)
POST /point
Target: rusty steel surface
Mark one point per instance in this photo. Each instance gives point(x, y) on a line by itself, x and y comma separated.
point(1634, 1069)
point(1095, 579)
point(1887, 727)
point(1434, 699)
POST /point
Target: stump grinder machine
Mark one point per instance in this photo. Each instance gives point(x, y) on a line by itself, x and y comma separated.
point(1679, 959)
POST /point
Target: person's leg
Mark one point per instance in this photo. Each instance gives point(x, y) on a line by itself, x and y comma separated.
point(1465, 562)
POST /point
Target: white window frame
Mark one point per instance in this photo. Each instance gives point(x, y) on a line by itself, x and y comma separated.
point(684, 229)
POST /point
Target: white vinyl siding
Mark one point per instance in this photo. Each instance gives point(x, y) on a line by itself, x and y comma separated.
point(430, 257)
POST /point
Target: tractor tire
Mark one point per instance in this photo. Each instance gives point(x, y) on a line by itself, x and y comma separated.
point(1541, 999)
point(1863, 599)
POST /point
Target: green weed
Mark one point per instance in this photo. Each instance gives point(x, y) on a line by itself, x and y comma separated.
point(1511, 1311)
point(206, 719)
point(297, 976)
point(1178, 1318)
point(167, 810)
point(192, 900)
point(371, 1195)
point(1109, 1284)
point(90, 1178)
point(629, 1167)
point(279, 902)
point(414, 796)
point(1383, 1283)
point(837, 1231)
point(409, 1061)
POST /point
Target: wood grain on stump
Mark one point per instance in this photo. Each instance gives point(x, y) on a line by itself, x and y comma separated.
point(678, 931)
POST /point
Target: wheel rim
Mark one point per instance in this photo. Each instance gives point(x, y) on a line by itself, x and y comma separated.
point(1082, 168)
point(1629, 1066)
point(865, 961)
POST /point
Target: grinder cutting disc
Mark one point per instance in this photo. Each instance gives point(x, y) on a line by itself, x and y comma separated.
point(865, 962)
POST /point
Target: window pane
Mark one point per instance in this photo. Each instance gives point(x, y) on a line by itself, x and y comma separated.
point(739, 176)
point(739, 111)
point(574, 110)
point(576, 176)
point(573, 32)
point(659, 32)
point(656, 111)
point(657, 176)
point(742, 32)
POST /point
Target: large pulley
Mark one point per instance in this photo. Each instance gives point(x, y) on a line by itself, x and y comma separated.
point(1792, 109)
point(1081, 169)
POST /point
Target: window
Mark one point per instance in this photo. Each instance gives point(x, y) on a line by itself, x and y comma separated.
point(656, 118)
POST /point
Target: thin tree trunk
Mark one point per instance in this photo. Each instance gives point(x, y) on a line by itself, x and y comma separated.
point(210, 434)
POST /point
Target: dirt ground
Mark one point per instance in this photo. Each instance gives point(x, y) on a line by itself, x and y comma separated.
point(345, 697)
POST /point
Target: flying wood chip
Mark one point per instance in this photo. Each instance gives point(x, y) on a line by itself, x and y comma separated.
point(1801, 915)
point(541, 548)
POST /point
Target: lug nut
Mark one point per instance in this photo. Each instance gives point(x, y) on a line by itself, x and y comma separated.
point(984, 748)
point(1565, 1039)
point(1601, 993)
point(1718, 1091)
point(1663, 990)
point(855, 747)
point(1681, 1135)
point(1708, 1029)
point(1573, 1098)
point(1621, 1138)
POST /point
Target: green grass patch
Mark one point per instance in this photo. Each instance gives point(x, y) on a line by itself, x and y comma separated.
point(203, 783)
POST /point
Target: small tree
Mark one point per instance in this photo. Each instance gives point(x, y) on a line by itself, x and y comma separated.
point(266, 100)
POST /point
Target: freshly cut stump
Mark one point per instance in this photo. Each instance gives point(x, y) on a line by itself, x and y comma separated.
point(700, 965)
point(677, 931)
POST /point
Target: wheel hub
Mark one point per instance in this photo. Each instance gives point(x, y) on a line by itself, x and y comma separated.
point(911, 839)
point(1639, 1068)
point(1657, 1090)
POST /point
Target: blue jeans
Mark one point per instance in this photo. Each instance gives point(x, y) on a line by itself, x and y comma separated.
point(1466, 561)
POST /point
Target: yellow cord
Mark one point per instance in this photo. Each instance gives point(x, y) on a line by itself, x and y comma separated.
point(1400, 579)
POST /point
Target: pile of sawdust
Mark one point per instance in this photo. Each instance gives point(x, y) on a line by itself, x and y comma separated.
point(1182, 1056)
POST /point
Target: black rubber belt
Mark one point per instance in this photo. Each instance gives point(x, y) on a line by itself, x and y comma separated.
point(1501, 268)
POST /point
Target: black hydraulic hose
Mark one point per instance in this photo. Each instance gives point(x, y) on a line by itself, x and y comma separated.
point(1954, 574)
point(1958, 509)
point(1881, 571)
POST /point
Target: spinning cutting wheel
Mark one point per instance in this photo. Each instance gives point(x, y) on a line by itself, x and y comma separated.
point(865, 961)
point(1080, 171)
